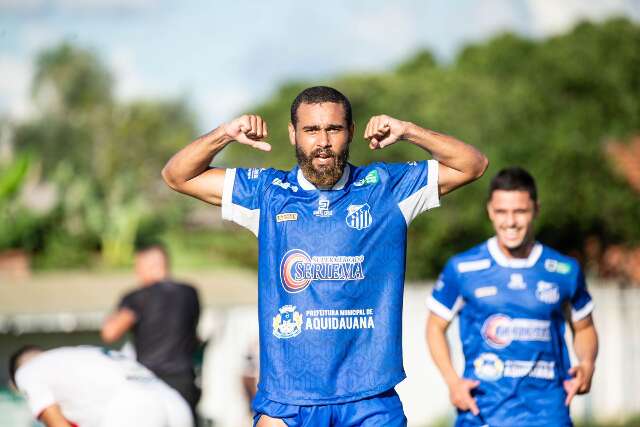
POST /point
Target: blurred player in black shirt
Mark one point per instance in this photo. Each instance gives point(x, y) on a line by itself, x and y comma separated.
point(163, 316)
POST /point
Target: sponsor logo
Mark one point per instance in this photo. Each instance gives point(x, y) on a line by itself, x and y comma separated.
point(323, 210)
point(339, 319)
point(287, 323)
point(285, 185)
point(517, 282)
point(500, 330)
point(359, 216)
point(287, 216)
point(253, 173)
point(555, 266)
point(467, 266)
point(527, 368)
point(488, 366)
point(298, 269)
point(372, 178)
point(548, 293)
point(485, 291)
point(412, 163)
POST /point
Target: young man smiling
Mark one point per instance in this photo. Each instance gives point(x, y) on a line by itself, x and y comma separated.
point(511, 294)
point(332, 243)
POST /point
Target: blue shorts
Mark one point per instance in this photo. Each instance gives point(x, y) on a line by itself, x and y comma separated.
point(384, 409)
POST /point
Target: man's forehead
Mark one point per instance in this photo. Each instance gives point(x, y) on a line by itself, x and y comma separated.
point(511, 197)
point(322, 113)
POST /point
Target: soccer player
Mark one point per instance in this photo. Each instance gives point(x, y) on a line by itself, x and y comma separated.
point(332, 242)
point(163, 316)
point(93, 387)
point(512, 295)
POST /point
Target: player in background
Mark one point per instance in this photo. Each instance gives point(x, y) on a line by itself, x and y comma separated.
point(512, 295)
point(163, 316)
point(332, 242)
point(94, 387)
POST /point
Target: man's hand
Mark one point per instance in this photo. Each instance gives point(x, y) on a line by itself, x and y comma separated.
point(250, 130)
point(581, 381)
point(460, 395)
point(383, 130)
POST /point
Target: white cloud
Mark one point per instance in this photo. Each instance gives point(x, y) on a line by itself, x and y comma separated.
point(32, 6)
point(553, 17)
point(15, 81)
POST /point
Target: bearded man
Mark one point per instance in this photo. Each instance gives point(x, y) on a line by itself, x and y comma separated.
point(332, 250)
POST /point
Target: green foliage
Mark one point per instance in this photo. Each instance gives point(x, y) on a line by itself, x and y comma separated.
point(547, 105)
point(105, 158)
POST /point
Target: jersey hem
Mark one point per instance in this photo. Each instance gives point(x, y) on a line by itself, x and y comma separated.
point(335, 400)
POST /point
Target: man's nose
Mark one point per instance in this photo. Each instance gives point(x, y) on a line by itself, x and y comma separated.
point(323, 140)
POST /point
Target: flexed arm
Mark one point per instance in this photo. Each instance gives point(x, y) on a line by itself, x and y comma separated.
point(460, 163)
point(188, 170)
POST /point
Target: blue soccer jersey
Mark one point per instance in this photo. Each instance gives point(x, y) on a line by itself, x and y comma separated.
point(512, 330)
point(330, 275)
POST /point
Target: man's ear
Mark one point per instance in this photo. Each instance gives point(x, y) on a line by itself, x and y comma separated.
point(352, 130)
point(536, 209)
point(292, 134)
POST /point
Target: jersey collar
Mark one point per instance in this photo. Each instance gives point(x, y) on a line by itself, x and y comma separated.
point(504, 261)
point(308, 186)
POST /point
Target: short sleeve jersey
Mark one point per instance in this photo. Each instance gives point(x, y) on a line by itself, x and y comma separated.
point(330, 275)
point(81, 380)
point(512, 326)
point(167, 316)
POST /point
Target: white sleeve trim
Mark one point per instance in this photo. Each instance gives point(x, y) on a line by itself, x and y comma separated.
point(441, 310)
point(426, 198)
point(248, 218)
point(582, 313)
point(227, 193)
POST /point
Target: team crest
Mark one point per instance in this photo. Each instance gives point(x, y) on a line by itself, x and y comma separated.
point(287, 323)
point(548, 292)
point(359, 216)
point(488, 366)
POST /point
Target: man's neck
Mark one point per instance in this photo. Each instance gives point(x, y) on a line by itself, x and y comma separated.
point(523, 251)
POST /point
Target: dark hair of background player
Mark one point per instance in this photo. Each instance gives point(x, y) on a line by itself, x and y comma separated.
point(514, 179)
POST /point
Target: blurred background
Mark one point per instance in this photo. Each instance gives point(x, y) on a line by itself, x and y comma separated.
point(96, 95)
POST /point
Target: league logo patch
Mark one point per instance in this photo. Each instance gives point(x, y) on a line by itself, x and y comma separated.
point(372, 178)
point(287, 323)
point(359, 216)
point(548, 293)
point(488, 366)
point(298, 269)
point(555, 266)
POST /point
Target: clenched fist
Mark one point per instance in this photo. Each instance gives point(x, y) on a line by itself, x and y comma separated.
point(249, 129)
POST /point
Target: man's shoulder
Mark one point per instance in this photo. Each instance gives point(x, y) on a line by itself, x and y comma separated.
point(555, 261)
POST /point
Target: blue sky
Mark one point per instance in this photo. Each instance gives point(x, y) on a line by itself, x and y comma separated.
point(224, 56)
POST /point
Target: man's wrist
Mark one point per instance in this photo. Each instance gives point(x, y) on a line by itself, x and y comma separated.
point(220, 137)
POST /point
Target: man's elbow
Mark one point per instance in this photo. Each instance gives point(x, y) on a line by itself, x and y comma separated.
point(482, 166)
point(169, 179)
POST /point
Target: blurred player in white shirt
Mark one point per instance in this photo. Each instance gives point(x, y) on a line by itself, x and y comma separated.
point(94, 387)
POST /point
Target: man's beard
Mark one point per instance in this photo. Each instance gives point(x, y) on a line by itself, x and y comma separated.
point(323, 176)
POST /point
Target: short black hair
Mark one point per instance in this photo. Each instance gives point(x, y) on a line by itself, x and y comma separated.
point(152, 246)
point(15, 357)
point(317, 95)
point(514, 179)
